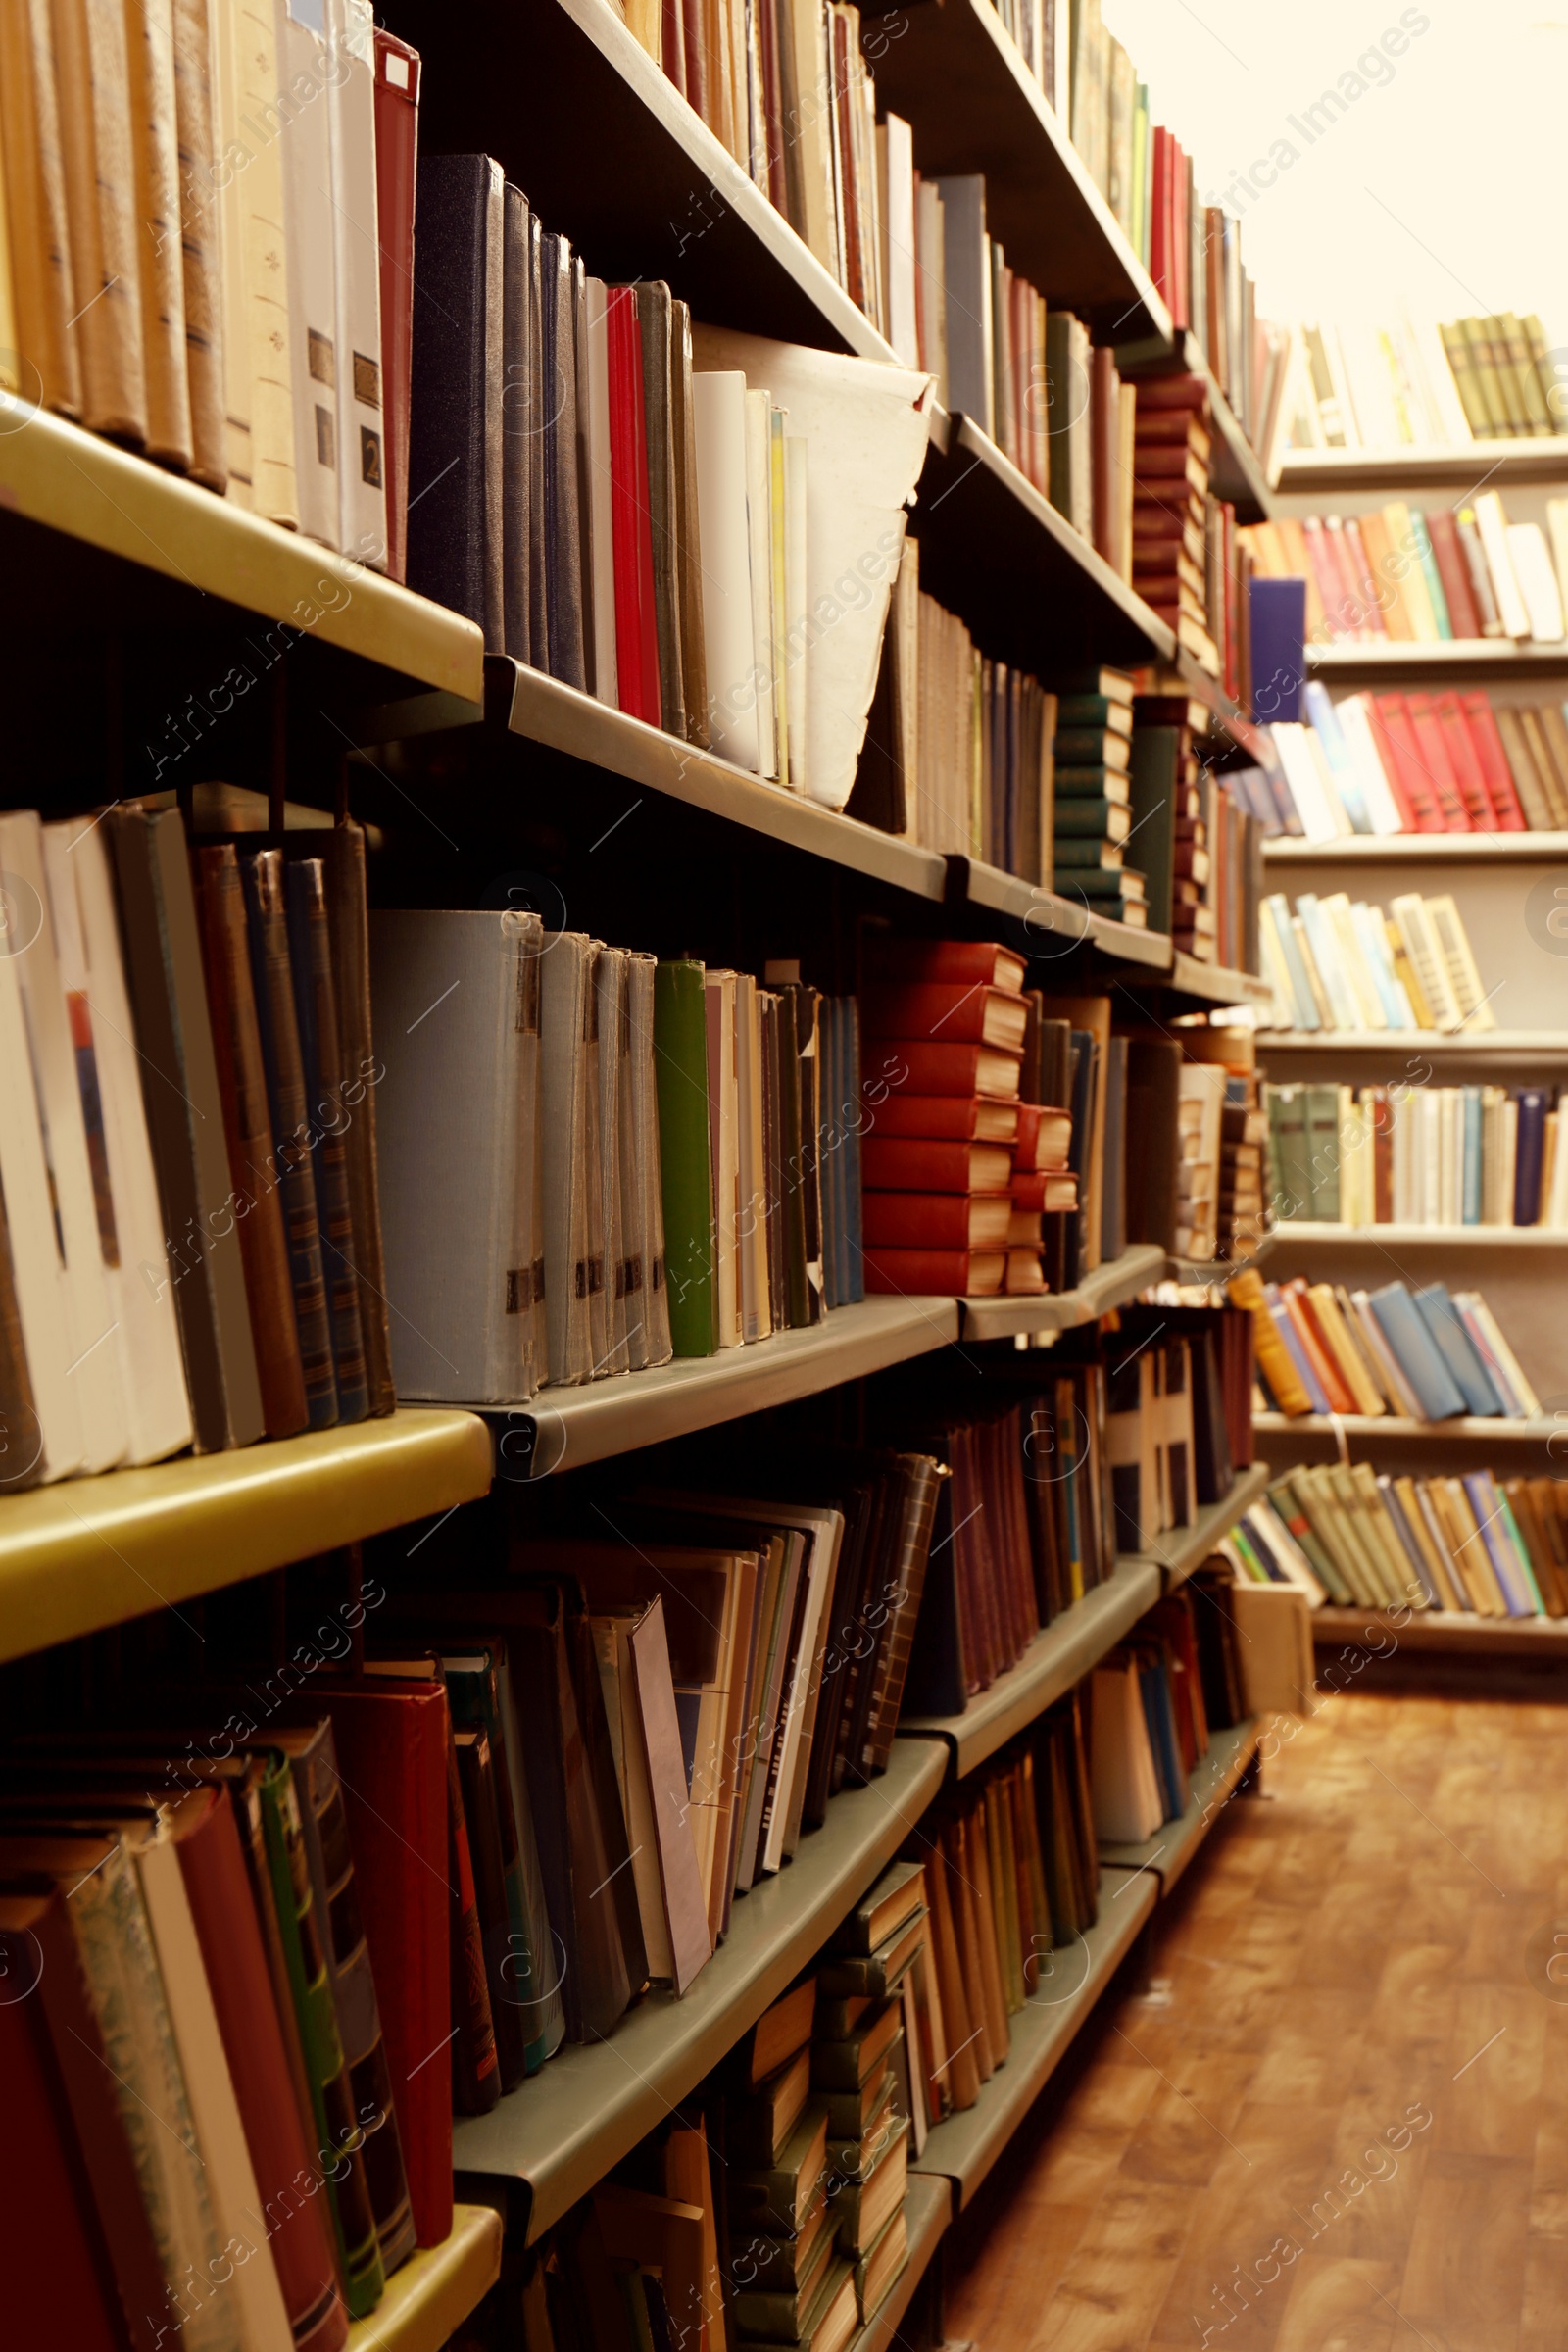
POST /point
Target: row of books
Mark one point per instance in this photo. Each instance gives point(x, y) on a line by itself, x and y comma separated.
point(1451, 762)
point(1337, 964)
point(1400, 574)
point(661, 1159)
point(1221, 1140)
point(1421, 384)
point(188, 1143)
point(247, 327)
point(1470, 1545)
point(1155, 1701)
point(1426, 1355)
point(1439, 1155)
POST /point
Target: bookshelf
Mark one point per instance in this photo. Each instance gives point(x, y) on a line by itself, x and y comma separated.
point(561, 2130)
point(1110, 1285)
point(436, 2289)
point(1463, 657)
point(1443, 1632)
point(90, 1552)
point(1396, 1427)
point(1308, 1235)
point(1213, 984)
point(1469, 467)
point(1213, 1783)
point(1476, 1045)
point(1421, 848)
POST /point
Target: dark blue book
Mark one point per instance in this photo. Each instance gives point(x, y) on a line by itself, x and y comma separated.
point(1534, 1103)
point(1278, 615)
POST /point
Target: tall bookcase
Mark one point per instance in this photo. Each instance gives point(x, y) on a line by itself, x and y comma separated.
point(133, 600)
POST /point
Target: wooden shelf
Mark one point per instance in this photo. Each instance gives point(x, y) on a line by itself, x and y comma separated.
point(89, 1553)
point(1235, 468)
point(92, 531)
point(1017, 572)
point(1420, 849)
point(428, 2299)
point(927, 2211)
point(1211, 1783)
point(1216, 983)
point(1181, 1549)
point(1060, 1654)
point(956, 74)
point(1109, 1286)
point(1487, 1428)
point(560, 1428)
point(1313, 1235)
point(1542, 1044)
point(1443, 1631)
point(561, 2130)
point(1480, 464)
point(967, 2146)
point(1045, 914)
point(1459, 657)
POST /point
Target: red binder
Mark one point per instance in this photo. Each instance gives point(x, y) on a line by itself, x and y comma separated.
point(636, 625)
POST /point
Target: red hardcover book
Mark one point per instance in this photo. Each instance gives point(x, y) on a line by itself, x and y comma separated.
point(396, 155)
point(1465, 763)
point(1431, 751)
point(934, 1273)
point(945, 1011)
point(1159, 221)
point(1158, 428)
point(893, 1163)
point(1161, 462)
point(910, 1066)
point(949, 1119)
point(1352, 609)
point(1365, 578)
point(636, 623)
point(1453, 572)
point(976, 1221)
point(971, 962)
point(1045, 1136)
point(1500, 787)
point(391, 1739)
point(1043, 1190)
point(72, 2201)
point(1409, 781)
point(1309, 1331)
point(212, 1865)
point(1181, 234)
point(1161, 392)
point(1325, 576)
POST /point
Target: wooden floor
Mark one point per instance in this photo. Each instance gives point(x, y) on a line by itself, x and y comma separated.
point(1328, 2110)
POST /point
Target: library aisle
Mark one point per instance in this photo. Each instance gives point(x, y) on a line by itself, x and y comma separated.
point(1322, 2110)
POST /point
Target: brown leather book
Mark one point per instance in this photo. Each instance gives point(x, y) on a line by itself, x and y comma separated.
point(155, 152)
point(344, 865)
point(919, 1477)
point(198, 235)
point(35, 196)
point(95, 144)
point(247, 1129)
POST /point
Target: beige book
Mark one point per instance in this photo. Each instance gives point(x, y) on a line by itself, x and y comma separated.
point(1537, 582)
point(1436, 1558)
point(1397, 1572)
point(1513, 1370)
point(305, 64)
point(1414, 596)
point(1387, 569)
point(756, 1313)
point(1428, 957)
point(95, 144)
point(1363, 988)
point(198, 237)
point(1448, 928)
point(154, 147)
point(807, 137)
point(1467, 1546)
point(39, 249)
point(724, 1141)
point(9, 350)
point(1340, 1508)
point(1346, 1353)
point(1554, 737)
point(1436, 1524)
point(759, 546)
point(357, 275)
point(1492, 524)
point(258, 337)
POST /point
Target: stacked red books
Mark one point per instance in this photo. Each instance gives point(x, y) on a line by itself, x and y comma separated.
point(1179, 535)
point(958, 1172)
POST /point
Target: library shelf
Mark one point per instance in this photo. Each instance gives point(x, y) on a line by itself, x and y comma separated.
point(1110, 1285)
point(1473, 464)
point(1216, 983)
point(1060, 1654)
point(560, 2132)
point(998, 554)
point(1237, 471)
point(91, 521)
point(1456, 657)
point(1211, 1783)
point(1312, 1233)
point(1541, 1044)
point(1420, 849)
point(1046, 915)
point(90, 1552)
point(927, 2211)
point(967, 2146)
point(1490, 1429)
point(428, 2299)
point(958, 75)
point(1213, 1273)
point(1441, 1630)
point(560, 1428)
point(1181, 1549)
point(627, 170)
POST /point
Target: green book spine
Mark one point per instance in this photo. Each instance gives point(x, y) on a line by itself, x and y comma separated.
point(1088, 710)
point(685, 1160)
point(1107, 819)
point(1092, 783)
point(1081, 855)
point(1288, 1113)
point(1323, 1151)
point(1478, 334)
point(475, 1703)
point(1461, 367)
point(1152, 780)
point(1087, 746)
point(1430, 573)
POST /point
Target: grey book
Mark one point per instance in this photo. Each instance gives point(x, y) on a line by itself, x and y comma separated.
point(565, 1002)
point(455, 445)
point(457, 1006)
point(647, 1183)
point(518, 418)
point(654, 320)
point(966, 271)
point(595, 1145)
point(563, 511)
point(624, 1306)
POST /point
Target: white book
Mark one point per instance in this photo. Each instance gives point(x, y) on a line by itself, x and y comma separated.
point(612, 1051)
point(796, 618)
point(1453, 425)
point(356, 235)
point(932, 300)
point(1367, 372)
point(724, 1141)
point(566, 972)
point(759, 559)
point(1450, 1157)
point(591, 1161)
point(258, 332)
point(1537, 582)
point(1412, 921)
point(306, 149)
point(645, 1140)
point(1369, 1006)
point(1344, 1007)
point(601, 522)
point(56, 1446)
point(1127, 1804)
point(457, 1120)
point(1512, 1369)
point(91, 1331)
point(1557, 533)
point(896, 154)
point(1355, 726)
point(751, 1080)
point(825, 1530)
point(1492, 524)
point(778, 590)
point(718, 418)
point(1322, 818)
point(103, 1029)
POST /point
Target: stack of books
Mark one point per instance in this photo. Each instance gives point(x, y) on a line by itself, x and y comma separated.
point(1465, 1544)
point(1244, 1164)
point(946, 1023)
point(1093, 816)
point(188, 1148)
point(1170, 508)
point(1149, 1722)
point(1418, 384)
point(1398, 575)
point(1200, 1119)
point(1341, 964)
point(1436, 1155)
point(1426, 1355)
